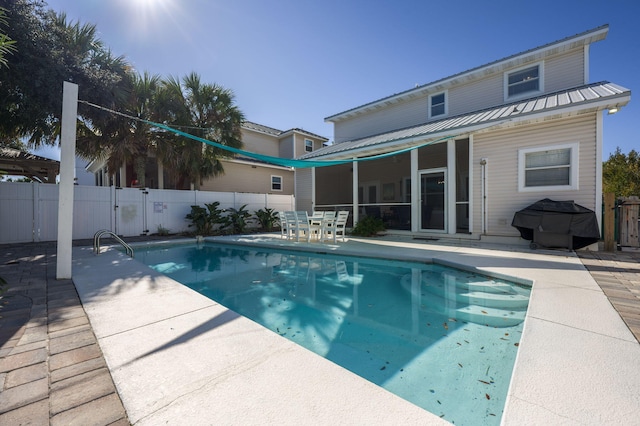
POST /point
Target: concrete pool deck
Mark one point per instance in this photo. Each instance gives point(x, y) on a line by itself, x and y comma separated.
point(180, 358)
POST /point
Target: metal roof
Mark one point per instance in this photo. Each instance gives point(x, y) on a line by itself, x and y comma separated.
point(249, 125)
point(596, 95)
point(571, 42)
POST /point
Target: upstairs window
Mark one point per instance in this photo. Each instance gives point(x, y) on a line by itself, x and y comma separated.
point(548, 168)
point(276, 183)
point(308, 145)
point(437, 105)
point(523, 81)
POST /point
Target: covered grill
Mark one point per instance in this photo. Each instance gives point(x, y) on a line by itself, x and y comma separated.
point(556, 224)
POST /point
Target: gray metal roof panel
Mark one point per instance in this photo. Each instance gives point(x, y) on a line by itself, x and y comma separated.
point(553, 101)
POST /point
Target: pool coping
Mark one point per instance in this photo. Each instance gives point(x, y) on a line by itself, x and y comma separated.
point(570, 332)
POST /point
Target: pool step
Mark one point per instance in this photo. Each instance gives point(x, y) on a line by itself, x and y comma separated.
point(489, 303)
point(488, 316)
point(481, 298)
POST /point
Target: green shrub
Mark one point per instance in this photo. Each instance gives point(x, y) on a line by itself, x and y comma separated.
point(267, 218)
point(205, 220)
point(162, 230)
point(368, 226)
point(238, 219)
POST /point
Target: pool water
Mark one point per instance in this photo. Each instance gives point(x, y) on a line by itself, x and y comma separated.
point(441, 338)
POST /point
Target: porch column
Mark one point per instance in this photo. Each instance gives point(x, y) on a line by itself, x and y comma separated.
point(354, 182)
point(415, 192)
point(67, 172)
point(160, 174)
point(313, 189)
point(451, 187)
point(123, 176)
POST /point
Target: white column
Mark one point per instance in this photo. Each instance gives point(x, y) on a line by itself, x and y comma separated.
point(313, 189)
point(354, 198)
point(415, 192)
point(65, 188)
point(450, 199)
point(123, 176)
point(160, 174)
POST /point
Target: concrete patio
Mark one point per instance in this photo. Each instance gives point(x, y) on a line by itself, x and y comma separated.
point(577, 363)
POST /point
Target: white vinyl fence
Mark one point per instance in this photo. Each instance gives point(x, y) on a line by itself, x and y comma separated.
point(29, 211)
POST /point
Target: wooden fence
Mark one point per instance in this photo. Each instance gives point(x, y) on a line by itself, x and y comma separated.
point(628, 221)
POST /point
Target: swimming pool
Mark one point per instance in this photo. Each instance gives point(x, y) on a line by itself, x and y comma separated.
point(441, 338)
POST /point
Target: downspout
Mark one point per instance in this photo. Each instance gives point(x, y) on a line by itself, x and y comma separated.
point(483, 165)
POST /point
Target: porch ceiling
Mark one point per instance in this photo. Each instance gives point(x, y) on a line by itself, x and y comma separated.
point(593, 96)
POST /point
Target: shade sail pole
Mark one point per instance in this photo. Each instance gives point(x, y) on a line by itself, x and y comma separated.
point(65, 188)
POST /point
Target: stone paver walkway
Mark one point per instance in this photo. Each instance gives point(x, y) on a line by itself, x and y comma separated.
point(52, 372)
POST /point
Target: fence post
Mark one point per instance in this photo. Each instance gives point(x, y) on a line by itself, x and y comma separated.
point(609, 221)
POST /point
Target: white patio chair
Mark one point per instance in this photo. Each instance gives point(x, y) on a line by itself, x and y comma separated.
point(290, 224)
point(327, 224)
point(340, 225)
point(284, 229)
point(316, 224)
point(302, 225)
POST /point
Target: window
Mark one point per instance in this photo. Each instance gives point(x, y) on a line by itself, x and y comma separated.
point(437, 105)
point(276, 183)
point(548, 168)
point(308, 145)
point(523, 81)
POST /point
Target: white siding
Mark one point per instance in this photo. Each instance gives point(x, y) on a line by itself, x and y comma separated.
point(501, 150)
point(393, 116)
point(560, 72)
point(477, 95)
point(564, 71)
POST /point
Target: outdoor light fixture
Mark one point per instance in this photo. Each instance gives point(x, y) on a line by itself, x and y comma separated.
point(612, 110)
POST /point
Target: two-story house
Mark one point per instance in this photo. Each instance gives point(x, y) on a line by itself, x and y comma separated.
point(241, 174)
point(459, 156)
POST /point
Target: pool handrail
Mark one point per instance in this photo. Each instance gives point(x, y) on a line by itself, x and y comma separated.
point(99, 234)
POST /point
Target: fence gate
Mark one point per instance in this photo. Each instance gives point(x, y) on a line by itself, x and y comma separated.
point(628, 221)
point(130, 211)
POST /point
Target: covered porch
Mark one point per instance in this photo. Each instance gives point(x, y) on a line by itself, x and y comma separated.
point(423, 190)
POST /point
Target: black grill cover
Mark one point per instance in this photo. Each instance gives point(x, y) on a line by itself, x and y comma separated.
point(562, 217)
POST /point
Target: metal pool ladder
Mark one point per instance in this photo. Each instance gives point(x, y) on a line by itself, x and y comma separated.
point(99, 234)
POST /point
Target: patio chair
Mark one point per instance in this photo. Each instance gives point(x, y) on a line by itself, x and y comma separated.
point(327, 224)
point(302, 225)
point(316, 223)
point(284, 229)
point(289, 224)
point(339, 226)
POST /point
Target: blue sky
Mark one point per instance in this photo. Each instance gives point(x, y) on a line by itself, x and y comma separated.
point(291, 63)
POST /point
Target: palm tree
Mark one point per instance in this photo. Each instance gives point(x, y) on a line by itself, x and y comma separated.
point(125, 139)
point(204, 110)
